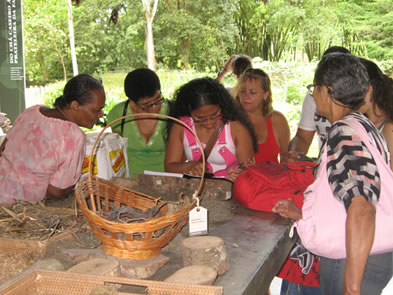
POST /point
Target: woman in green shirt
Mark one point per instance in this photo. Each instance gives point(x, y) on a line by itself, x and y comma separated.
point(146, 137)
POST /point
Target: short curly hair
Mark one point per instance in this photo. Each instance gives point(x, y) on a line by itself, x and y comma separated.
point(141, 83)
point(345, 76)
point(207, 91)
point(263, 78)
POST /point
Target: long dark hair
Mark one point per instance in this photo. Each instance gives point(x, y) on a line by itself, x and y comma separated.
point(207, 91)
point(78, 88)
point(382, 95)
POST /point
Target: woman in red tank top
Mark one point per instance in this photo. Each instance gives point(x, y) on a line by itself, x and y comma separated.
point(254, 93)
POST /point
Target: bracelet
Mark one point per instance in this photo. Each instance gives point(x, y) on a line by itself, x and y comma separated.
point(223, 70)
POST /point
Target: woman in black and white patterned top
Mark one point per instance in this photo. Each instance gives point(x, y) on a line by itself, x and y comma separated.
point(340, 85)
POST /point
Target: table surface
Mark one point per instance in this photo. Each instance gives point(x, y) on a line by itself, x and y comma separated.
point(258, 243)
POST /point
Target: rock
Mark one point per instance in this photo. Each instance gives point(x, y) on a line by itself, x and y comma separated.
point(98, 266)
point(136, 269)
point(48, 264)
point(194, 275)
point(77, 255)
point(205, 250)
point(141, 269)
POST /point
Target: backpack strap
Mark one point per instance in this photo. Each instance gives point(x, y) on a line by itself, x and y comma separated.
point(213, 138)
point(124, 113)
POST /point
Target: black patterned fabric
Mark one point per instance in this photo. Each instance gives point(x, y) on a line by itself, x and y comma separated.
point(351, 168)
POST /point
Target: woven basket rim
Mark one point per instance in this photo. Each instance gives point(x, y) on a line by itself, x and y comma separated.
point(90, 212)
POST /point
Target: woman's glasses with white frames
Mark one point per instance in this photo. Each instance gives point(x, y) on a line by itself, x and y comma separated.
point(204, 120)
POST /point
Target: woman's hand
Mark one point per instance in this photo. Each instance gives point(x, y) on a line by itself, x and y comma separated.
point(196, 168)
point(287, 209)
point(293, 156)
point(228, 63)
point(233, 173)
point(53, 192)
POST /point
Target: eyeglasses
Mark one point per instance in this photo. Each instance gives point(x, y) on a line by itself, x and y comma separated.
point(311, 88)
point(150, 105)
point(216, 117)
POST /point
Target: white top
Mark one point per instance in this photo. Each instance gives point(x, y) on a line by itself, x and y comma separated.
point(311, 121)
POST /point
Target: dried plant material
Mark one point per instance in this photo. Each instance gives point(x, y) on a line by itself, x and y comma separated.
point(9, 212)
point(128, 214)
point(27, 221)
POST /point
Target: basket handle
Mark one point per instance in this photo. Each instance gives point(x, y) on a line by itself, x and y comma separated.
point(144, 116)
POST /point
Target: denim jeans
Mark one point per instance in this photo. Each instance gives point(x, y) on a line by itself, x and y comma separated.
point(376, 275)
point(289, 288)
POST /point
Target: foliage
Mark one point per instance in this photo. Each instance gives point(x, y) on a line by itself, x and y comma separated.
point(376, 28)
point(46, 41)
point(53, 91)
point(196, 34)
point(200, 34)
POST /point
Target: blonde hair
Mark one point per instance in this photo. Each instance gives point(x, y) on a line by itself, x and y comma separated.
point(263, 78)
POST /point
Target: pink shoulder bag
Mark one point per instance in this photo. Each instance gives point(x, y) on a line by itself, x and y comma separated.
point(322, 228)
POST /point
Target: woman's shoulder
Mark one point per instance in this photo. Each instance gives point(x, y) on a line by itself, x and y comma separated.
point(276, 115)
point(237, 126)
point(278, 119)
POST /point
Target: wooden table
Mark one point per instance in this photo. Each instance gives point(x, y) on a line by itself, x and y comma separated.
point(258, 244)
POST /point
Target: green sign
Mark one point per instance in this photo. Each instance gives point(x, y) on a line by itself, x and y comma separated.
point(12, 68)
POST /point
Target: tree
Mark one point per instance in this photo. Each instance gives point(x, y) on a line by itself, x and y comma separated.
point(149, 10)
point(267, 27)
point(45, 36)
point(72, 38)
point(195, 34)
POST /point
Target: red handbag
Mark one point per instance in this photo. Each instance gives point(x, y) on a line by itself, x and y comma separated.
point(260, 186)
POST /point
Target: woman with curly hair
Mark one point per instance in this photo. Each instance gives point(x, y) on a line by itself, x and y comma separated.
point(254, 93)
point(207, 107)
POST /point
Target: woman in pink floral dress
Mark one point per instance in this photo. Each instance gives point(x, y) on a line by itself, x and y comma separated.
point(43, 153)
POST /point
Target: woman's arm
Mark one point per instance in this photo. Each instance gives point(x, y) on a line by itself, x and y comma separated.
point(2, 147)
point(175, 158)
point(243, 142)
point(281, 129)
point(244, 149)
point(53, 192)
point(360, 231)
point(227, 67)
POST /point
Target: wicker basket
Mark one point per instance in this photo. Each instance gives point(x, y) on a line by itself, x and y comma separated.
point(46, 282)
point(130, 240)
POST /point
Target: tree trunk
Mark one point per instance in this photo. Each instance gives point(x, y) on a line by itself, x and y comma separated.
point(61, 60)
point(186, 46)
point(43, 66)
point(150, 12)
point(72, 39)
point(151, 59)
